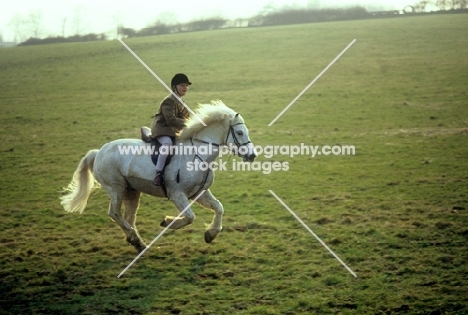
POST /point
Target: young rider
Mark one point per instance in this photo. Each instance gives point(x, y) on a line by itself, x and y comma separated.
point(169, 121)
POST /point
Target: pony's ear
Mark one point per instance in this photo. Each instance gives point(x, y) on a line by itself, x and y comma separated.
point(237, 115)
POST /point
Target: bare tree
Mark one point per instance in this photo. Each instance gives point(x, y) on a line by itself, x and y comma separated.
point(17, 24)
point(117, 22)
point(421, 5)
point(409, 9)
point(77, 20)
point(453, 4)
point(35, 23)
point(64, 24)
point(441, 4)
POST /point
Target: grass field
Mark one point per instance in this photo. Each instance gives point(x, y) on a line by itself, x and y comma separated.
point(396, 212)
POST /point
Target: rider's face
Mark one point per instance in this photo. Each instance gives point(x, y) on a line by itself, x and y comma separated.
point(182, 89)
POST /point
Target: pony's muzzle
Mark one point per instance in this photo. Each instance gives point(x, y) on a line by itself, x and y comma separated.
point(249, 157)
point(251, 154)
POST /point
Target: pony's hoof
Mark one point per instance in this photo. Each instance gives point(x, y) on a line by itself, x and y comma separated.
point(141, 248)
point(163, 223)
point(210, 235)
point(139, 245)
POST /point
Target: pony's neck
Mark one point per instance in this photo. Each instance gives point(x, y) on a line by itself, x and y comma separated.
point(213, 135)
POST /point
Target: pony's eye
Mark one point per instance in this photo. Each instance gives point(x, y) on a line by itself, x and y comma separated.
point(240, 133)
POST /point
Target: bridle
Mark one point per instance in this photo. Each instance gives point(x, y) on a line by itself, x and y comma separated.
point(230, 132)
point(234, 138)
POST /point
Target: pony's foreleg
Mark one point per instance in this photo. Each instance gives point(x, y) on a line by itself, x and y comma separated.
point(182, 203)
point(131, 234)
point(207, 200)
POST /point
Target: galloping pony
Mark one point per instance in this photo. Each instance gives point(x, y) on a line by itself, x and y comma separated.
point(125, 173)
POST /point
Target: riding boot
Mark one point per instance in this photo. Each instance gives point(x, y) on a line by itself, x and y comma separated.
point(159, 179)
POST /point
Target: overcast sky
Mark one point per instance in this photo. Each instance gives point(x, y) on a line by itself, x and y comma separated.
point(100, 16)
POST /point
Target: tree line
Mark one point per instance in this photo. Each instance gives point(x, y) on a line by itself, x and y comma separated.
point(289, 16)
point(160, 28)
point(292, 16)
point(59, 39)
point(271, 17)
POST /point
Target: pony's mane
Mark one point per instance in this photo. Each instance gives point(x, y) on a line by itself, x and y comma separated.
point(217, 111)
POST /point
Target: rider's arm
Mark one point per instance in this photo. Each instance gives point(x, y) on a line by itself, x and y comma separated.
point(168, 109)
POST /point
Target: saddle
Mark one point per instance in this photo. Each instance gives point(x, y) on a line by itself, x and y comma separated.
point(145, 134)
point(146, 137)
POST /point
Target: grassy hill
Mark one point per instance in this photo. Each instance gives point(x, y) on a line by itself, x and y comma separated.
point(396, 212)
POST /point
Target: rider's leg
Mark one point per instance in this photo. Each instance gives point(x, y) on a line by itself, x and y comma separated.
point(166, 142)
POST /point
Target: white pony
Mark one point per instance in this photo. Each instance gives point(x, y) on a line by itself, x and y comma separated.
point(126, 174)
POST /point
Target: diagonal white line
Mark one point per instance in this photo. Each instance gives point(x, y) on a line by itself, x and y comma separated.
point(162, 232)
point(311, 232)
point(310, 84)
point(161, 81)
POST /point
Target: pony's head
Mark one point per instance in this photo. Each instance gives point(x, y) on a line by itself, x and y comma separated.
point(232, 130)
point(238, 140)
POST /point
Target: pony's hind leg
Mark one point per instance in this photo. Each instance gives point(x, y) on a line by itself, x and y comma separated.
point(116, 215)
point(207, 200)
point(182, 203)
point(131, 203)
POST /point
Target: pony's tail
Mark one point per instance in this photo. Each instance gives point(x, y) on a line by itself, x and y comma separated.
point(81, 186)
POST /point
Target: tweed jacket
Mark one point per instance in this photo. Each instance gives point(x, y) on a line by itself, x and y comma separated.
point(170, 118)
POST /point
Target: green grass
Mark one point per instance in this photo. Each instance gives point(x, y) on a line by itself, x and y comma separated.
point(396, 212)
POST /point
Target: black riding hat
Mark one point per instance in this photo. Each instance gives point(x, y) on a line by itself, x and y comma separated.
point(180, 78)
